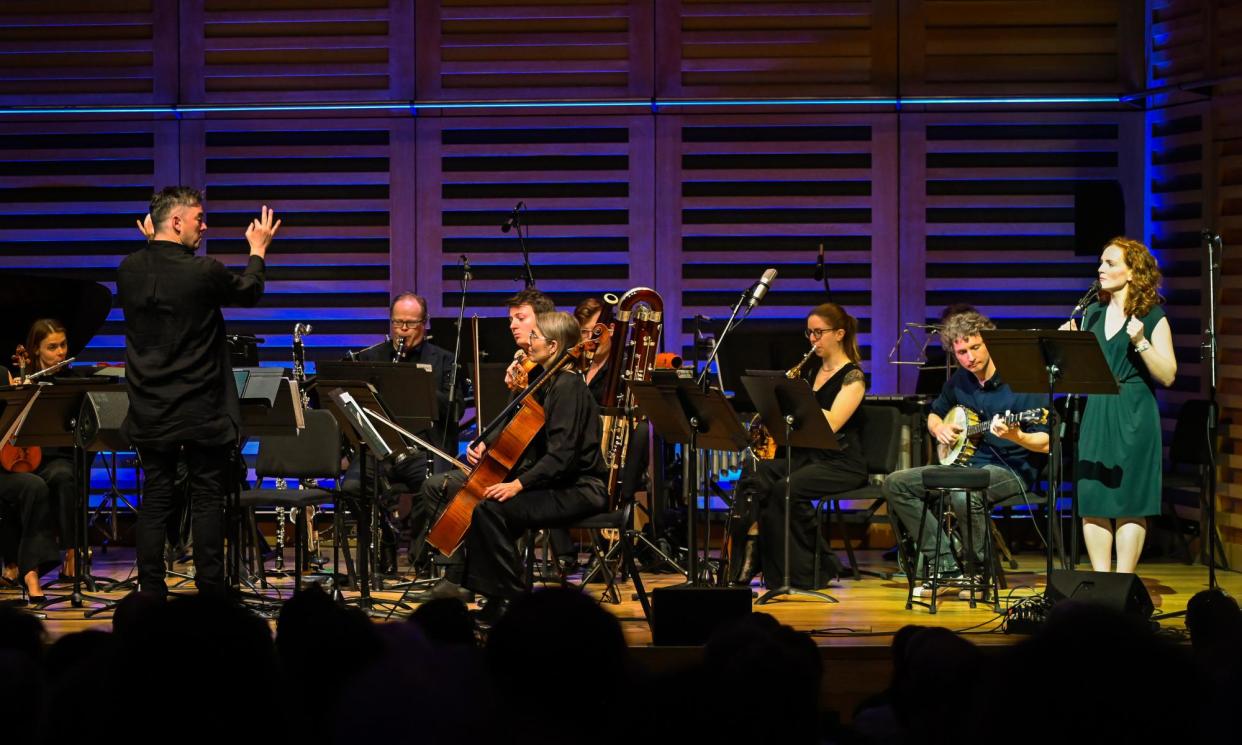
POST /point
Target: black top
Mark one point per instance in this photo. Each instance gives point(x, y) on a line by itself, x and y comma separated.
point(994, 397)
point(849, 435)
point(177, 366)
point(441, 362)
point(568, 445)
point(596, 384)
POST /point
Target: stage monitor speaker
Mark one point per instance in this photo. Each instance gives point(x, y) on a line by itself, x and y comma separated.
point(1099, 215)
point(687, 616)
point(1120, 591)
point(99, 424)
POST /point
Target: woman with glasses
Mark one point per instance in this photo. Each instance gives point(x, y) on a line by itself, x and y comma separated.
point(560, 479)
point(839, 386)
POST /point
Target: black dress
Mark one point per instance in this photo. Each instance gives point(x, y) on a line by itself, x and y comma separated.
point(816, 474)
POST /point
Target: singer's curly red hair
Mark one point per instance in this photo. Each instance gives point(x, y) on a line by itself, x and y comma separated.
point(1145, 277)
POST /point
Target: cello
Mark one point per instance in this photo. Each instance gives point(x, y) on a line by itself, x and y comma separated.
point(502, 456)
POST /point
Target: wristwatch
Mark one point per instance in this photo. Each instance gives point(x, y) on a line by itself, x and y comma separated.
point(1142, 346)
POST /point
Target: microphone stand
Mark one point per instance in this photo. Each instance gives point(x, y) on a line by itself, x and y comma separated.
point(1069, 431)
point(1213, 413)
point(451, 414)
point(527, 275)
point(729, 326)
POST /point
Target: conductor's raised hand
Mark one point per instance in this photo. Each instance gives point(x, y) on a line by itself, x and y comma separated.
point(261, 231)
point(146, 227)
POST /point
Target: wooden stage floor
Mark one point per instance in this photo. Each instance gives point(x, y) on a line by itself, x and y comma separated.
point(869, 611)
point(854, 635)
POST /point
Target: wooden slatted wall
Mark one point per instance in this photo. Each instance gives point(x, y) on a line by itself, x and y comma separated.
point(519, 50)
point(988, 213)
point(587, 185)
point(775, 49)
point(737, 195)
point(961, 47)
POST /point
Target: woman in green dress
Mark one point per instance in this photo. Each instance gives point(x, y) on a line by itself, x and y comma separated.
point(1119, 448)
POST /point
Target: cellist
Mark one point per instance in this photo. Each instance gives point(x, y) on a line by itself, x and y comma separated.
point(559, 481)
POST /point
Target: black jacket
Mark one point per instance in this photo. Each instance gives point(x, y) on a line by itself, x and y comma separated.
point(177, 366)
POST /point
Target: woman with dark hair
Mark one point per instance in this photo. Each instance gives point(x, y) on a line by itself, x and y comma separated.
point(839, 386)
point(1119, 447)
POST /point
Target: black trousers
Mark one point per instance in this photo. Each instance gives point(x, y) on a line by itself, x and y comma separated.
point(493, 564)
point(814, 477)
point(26, 525)
point(207, 467)
point(62, 488)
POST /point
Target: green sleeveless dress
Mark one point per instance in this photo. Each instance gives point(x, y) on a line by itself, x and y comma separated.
point(1119, 446)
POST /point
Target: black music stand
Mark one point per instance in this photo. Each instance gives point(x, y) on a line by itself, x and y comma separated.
point(52, 414)
point(1051, 362)
point(681, 412)
point(790, 412)
point(408, 391)
point(346, 401)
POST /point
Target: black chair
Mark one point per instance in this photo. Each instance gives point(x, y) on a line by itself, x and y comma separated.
point(881, 443)
point(1189, 471)
point(939, 483)
point(313, 453)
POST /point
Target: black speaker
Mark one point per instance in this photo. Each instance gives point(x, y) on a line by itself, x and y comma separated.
point(1099, 215)
point(687, 616)
point(99, 424)
point(1121, 592)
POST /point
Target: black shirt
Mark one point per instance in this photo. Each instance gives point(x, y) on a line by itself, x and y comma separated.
point(994, 397)
point(849, 437)
point(568, 445)
point(177, 366)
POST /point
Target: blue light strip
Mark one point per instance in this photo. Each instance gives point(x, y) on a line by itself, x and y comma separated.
point(414, 107)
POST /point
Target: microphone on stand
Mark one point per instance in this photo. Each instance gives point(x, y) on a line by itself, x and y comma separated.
point(819, 265)
point(760, 289)
point(514, 218)
point(466, 276)
point(1087, 299)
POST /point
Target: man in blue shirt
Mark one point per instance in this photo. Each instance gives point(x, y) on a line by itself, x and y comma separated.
point(1010, 455)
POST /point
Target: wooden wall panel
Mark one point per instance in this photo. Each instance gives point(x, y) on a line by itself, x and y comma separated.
point(999, 47)
point(520, 50)
point(69, 195)
point(801, 48)
point(751, 192)
point(87, 52)
point(308, 50)
point(330, 182)
point(998, 218)
point(587, 186)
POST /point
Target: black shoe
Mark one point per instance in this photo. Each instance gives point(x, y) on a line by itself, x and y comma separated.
point(748, 567)
point(447, 589)
point(493, 610)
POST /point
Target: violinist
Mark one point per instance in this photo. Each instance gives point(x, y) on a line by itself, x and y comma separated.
point(30, 499)
point(560, 480)
point(523, 308)
point(48, 344)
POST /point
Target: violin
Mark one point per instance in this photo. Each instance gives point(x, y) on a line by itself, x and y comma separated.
point(16, 459)
point(502, 456)
point(523, 365)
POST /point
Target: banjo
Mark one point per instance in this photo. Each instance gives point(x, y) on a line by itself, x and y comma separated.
point(973, 428)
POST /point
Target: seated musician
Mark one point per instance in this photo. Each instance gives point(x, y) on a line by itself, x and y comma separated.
point(39, 501)
point(523, 308)
point(48, 343)
point(1010, 455)
point(839, 386)
point(558, 481)
point(595, 371)
point(408, 343)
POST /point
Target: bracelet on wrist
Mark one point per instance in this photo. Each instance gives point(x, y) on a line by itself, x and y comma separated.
point(1142, 346)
